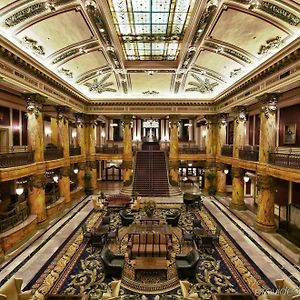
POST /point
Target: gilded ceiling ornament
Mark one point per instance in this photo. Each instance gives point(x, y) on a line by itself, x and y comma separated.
point(270, 45)
point(235, 72)
point(151, 93)
point(100, 86)
point(66, 72)
point(201, 86)
point(33, 45)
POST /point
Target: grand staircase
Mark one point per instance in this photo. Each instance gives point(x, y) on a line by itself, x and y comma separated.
point(151, 175)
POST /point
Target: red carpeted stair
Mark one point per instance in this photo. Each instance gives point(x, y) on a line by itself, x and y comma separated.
point(151, 176)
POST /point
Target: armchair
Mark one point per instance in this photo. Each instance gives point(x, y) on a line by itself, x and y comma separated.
point(173, 219)
point(113, 263)
point(113, 291)
point(186, 290)
point(186, 264)
point(126, 218)
point(98, 206)
point(11, 290)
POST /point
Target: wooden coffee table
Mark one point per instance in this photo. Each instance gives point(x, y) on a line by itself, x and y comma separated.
point(151, 264)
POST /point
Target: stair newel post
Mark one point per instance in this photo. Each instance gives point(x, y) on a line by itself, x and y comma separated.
point(174, 146)
point(127, 150)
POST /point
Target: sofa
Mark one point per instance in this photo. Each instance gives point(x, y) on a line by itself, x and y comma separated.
point(11, 290)
point(186, 264)
point(151, 244)
point(118, 201)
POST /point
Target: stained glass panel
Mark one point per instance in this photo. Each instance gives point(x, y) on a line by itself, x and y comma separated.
point(151, 29)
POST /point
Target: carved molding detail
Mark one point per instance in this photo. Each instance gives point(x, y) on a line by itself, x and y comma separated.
point(237, 172)
point(268, 103)
point(270, 45)
point(33, 45)
point(201, 86)
point(240, 113)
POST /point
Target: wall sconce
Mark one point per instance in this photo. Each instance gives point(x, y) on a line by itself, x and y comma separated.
point(190, 164)
point(74, 134)
point(75, 170)
point(48, 131)
point(246, 178)
point(19, 190)
point(204, 133)
point(226, 171)
point(103, 134)
point(55, 178)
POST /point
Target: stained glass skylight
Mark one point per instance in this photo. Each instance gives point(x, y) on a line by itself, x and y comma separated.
point(151, 29)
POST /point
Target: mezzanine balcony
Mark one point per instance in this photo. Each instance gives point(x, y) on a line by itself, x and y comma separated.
point(15, 156)
point(52, 153)
point(115, 149)
point(227, 150)
point(287, 160)
point(249, 153)
point(75, 151)
point(192, 150)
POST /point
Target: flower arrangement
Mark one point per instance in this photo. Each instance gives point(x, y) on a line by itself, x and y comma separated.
point(149, 207)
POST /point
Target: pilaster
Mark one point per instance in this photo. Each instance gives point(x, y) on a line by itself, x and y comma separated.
point(63, 140)
point(221, 179)
point(174, 147)
point(239, 129)
point(64, 183)
point(127, 149)
point(80, 174)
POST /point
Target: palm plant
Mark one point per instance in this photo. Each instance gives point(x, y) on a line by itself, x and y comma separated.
point(200, 85)
point(100, 86)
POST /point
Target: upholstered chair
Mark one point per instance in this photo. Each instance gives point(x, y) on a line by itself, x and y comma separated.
point(98, 206)
point(126, 218)
point(186, 290)
point(173, 219)
point(113, 291)
point(113, 263)
point(186, 264)
point(11, 290)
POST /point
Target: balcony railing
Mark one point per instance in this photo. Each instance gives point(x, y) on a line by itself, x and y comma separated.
point(227, 150)
point(75, 151)
point(109, 150)
point(15, 156)
point(285, 160)
point(12, 218)
point(192, 150)
point(249, 153)
point(53, 153)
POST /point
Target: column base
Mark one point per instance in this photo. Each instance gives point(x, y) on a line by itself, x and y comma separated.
point(264, 228)
point(240, 207)
point(221, 194)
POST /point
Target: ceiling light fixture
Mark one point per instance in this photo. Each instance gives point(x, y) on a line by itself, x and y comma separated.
point(226, 171)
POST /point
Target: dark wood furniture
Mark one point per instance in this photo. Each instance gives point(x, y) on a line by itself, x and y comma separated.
point(151, 264)
point(237, 296)
point(66, 297)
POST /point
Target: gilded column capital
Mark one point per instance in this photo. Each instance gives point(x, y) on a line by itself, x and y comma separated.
point(173, 164)
point(34, 103)
point(237, 172)
point(62, 112)
point(240, 112)
point(127, 119)
point(65, 171)
point(268, 103)
point(212, 119)
point(265, 182)
point(92, 164)
point(37, 181)
point(81, 165)
point(79, 119)
point(173, 120)
point(220, 166)
point(126, 164)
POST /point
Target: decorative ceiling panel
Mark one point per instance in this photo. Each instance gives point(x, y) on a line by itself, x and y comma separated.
point(245, 31)
point(58, 31)
point(159, 25)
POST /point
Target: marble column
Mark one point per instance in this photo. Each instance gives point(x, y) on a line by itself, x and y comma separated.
point(221, 136)
point(35, 125)
point(127, 148)
point(93, 170)
point(80, 174)
point(174, 147)
point(265, 218)
point(36, 197)
point(237, 201)
point(81, 133)
point(212, 134)
point(221, 179)
point(239, 129)
point(54, 134)
point(267, 141)
point(64, 183)
point(63, 140)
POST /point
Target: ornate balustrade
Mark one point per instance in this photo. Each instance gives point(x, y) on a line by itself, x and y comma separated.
point(109, 150)
point(14, 159)
point(285, 160)
point(227, 150)
point(13, 218)
point(192, 150)
point(75, 151)
point(249, 153)
point(53, 153)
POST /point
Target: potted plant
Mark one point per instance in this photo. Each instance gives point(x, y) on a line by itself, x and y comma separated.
point(149, 207)
point(88, 187)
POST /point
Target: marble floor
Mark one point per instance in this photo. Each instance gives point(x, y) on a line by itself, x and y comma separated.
point(264, 249)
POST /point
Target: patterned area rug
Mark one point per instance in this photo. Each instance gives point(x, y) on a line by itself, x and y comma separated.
point(76, 268)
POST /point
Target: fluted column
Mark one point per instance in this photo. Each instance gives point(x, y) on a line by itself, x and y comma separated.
point(35, 125)
point(265, 218)
point(64, 183)
point(36, 197)
point(239, 129)
point(127, 148)
point(81, 130)
point(63, 140)
point(174, 147)
point(267, 140)
point(212, 134)
point(54, 133)
point(221, 138)
point(237, 201)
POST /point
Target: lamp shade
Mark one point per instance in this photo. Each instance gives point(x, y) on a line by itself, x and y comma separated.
point(55, 178)
point(246, 178)
point(226, 171)
point(75, 170)
point(19, 190)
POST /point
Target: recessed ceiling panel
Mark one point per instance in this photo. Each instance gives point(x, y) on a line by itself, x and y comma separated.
point(157, 84)
point(245, 31)
point(157, 24)
point(217, 63)
point(85, 62)
point(58, 31)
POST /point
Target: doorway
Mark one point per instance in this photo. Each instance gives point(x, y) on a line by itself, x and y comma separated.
point(4, 140)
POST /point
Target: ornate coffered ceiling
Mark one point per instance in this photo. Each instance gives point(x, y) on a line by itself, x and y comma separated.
point(151, 49)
